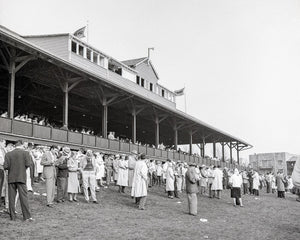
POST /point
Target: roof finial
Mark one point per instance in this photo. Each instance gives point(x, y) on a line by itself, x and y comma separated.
point(152, 48)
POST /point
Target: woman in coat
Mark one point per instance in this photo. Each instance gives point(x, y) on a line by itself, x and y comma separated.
point(170, 180)
point(73, 183)
point(99, 170)
point(255, 186)
point(123, 174)
point(280, 185)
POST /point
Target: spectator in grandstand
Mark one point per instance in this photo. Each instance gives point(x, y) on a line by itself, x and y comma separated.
point(49, 159)
point(4, 114)
point(192, 189)
point(131, 165)
point(111, 136)
point(16, 162)
point(139, 184)
point(123, 173)
point(217, 185)
point(88, 168)
point(62, 174)
point(73, 183)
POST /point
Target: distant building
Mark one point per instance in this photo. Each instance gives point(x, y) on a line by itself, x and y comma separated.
point(272, 162)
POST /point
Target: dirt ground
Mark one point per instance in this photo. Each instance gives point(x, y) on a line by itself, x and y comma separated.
point(116, 217)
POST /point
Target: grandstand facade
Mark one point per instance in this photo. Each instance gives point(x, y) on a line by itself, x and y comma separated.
point(75, 85)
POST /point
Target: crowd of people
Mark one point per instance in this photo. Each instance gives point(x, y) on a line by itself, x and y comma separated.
point(67, 173)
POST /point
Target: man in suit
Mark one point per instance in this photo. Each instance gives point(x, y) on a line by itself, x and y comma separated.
point(191, 179)
point(16, 163)
point(48, 161)
point(2, 155)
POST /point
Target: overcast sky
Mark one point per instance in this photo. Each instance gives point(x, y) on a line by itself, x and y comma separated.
point(239, 59)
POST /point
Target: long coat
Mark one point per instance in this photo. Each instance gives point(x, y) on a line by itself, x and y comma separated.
point(296, 174)
point(139, 183)
point(255, 177)
point(131, 166)
point(48, 161)
point(191, 179)
point(280, 183)
point(99, 167)
point(123, 173)
point(170, 179)
point(218, 180)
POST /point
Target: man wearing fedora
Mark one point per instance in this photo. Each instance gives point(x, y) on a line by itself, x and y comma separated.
point(62, 174)
point(131, 165)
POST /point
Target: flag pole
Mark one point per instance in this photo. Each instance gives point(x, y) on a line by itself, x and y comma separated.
point(184, 98)
point(87, 31)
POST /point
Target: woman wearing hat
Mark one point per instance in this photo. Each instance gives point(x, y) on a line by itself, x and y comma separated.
point(73, 183)
point(170, 177)
point(123, 174)
point(62, 174)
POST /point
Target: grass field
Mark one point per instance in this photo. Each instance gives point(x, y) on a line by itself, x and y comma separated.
point(116, 217)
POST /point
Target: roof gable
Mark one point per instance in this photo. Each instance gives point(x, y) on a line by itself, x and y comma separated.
point(134, 63)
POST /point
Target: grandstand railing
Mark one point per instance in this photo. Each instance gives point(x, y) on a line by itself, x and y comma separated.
point(34, 131)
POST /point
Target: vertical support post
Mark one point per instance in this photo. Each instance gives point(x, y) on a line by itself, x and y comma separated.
point(156, 131)
point(104, 118)
point(230, 148)
point(66, 105)
point(214, 150)
point(238, 154)
point(175, 138)
point(133, 126)
point(11, 85)
point(191, 143)
point(203, 148)
point(223, 152)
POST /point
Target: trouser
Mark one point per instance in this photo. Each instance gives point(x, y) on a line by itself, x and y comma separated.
point(179, 183)
point(50, 189)
point(192, 203)
point(158, 180)
point(281, 194)
point(170, 193)
point(210, 191)
point(89, 181)
point(183, 183)
point(12, 191)
point(268, 187)
point(1, 180)
point(62, 186)
point(122, 189)
point(108, 175)
point(245, 188)
point(217, 193)
point(28, 180)
point(141, 201)
point(255, 192)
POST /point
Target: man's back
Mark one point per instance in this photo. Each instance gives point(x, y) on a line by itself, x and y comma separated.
point(16, 163)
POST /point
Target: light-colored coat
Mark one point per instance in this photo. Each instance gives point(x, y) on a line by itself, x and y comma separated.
point(139, 183)
point(123, 173)
point(48, 161)
point(217, 183)
point(255, 177)
point(170, 179)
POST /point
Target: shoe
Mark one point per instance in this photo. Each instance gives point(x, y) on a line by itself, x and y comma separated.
point(70, 200)
point(63, 200)
point(241, 205)
point(29, 220)
point(95, 202)
point(59, 201)
point(50, 205)
point(75, 200)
